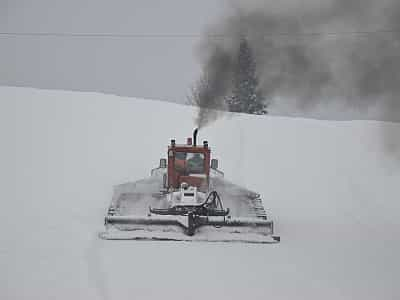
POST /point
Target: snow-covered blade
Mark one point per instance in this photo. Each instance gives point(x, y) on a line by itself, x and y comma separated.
point(203, 234)
point(168, 227)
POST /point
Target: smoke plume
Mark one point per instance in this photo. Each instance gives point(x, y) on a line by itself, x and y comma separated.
point(343, 53)
point(208, 93)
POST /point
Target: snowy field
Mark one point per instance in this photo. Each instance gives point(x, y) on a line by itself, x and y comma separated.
point(331, 187)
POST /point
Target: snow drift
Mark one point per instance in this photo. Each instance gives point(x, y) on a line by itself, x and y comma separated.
point(331, 187)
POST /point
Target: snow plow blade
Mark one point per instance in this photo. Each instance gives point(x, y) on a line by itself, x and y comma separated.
point(189, 228)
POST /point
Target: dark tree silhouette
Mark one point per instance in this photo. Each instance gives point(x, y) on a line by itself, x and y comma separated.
point(246, 97)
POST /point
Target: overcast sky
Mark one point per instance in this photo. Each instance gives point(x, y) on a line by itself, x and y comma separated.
point(160, 62)
point(159, 67)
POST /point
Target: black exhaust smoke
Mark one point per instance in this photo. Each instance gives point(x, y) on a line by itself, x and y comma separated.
point(310, 54)
point(209, 92)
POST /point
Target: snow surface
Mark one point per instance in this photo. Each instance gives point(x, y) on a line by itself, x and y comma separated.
point(331, 187)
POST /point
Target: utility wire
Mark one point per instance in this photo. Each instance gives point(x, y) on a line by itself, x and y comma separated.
point(220, 36)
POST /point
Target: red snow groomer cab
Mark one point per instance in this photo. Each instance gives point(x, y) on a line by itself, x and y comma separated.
point(189, 164)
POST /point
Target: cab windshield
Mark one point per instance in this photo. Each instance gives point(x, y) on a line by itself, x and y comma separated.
point(188, 163)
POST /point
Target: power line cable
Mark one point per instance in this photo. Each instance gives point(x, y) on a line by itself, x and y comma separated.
point(128, 35)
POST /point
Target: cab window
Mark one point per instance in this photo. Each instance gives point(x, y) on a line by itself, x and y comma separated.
point(195, 163)
point(189, 163)
point(180, 161)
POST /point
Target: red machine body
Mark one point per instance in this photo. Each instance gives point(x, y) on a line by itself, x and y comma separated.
point(189, 163)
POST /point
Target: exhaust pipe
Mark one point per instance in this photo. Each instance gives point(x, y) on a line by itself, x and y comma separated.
point(195, 137)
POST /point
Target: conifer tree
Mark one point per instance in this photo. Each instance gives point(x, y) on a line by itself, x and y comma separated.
point(246, 97)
